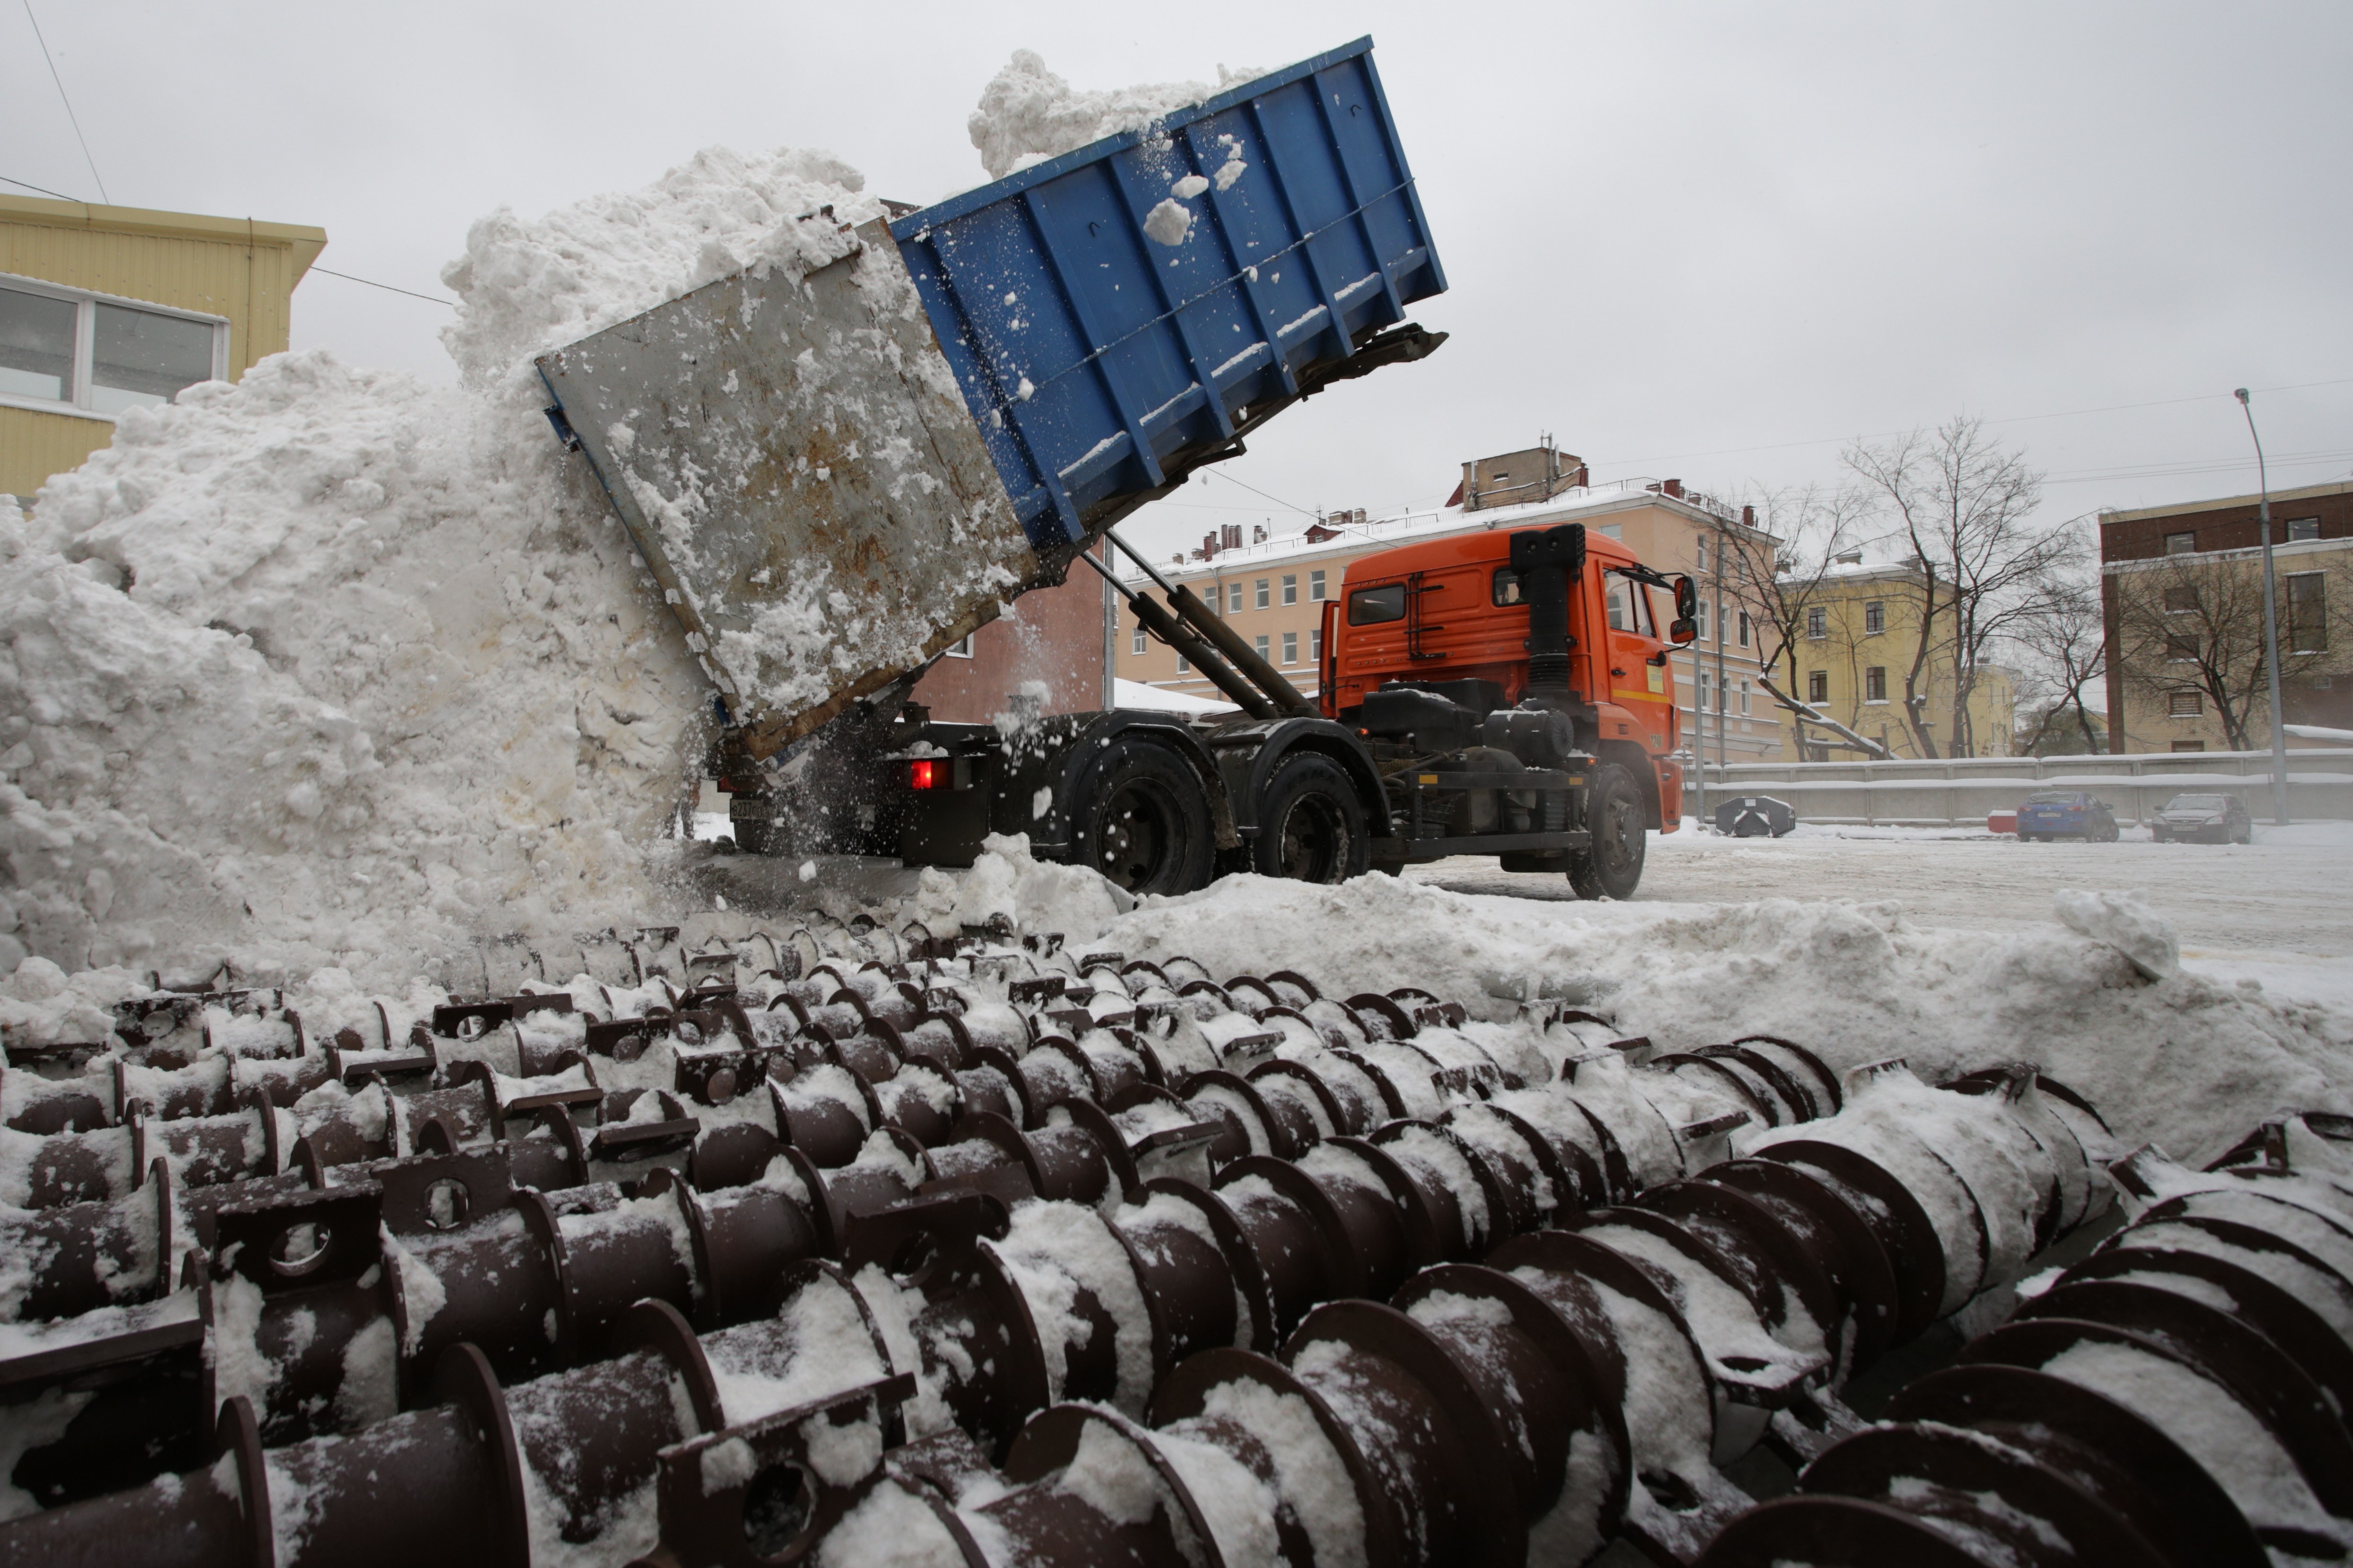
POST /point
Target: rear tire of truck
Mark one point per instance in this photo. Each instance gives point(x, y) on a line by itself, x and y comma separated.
point(1141, 818)
point(1310, 825)
point(1612, 868)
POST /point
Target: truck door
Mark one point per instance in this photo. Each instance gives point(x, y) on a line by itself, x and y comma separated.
point(1639, 679)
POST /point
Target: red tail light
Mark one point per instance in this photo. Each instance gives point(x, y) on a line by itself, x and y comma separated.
point(928, 774)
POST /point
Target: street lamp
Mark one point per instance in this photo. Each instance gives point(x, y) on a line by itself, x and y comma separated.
point(2270, 622)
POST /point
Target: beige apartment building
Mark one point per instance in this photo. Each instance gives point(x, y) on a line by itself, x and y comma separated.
point(104, 310)
point(1858, 632)
point(1273, 590)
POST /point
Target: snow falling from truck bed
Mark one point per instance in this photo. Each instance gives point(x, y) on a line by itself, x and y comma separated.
point(329, 669)
point(1028, 114)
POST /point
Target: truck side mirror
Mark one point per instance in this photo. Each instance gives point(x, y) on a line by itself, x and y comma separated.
point(1684, 628)
point(1686, 602)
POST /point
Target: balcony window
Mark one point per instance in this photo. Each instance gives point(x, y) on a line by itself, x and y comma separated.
point(82, 353)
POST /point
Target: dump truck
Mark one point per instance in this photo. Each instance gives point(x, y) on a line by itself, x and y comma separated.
point(836, 475)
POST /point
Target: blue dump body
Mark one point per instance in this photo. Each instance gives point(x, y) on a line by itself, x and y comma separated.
point(1102, 338)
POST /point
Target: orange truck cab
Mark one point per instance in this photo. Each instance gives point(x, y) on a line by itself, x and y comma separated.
point(1467, 659)
point(1501, 694)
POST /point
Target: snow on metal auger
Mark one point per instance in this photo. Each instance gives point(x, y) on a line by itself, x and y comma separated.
point(604, 1266)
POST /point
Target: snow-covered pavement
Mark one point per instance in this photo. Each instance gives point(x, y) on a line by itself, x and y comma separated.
point(2289, 893)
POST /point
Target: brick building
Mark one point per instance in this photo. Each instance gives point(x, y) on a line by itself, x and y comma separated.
point(2180, 590)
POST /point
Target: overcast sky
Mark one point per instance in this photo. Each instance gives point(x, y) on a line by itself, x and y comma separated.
point(1705, 241)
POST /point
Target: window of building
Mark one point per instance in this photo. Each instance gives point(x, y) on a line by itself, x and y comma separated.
point(1135, 643)
point(1291, 647)
point(1818, 622)
point(2180, 601)
point(1701, 609)
point(1744, 629)
point(1874, 684)
point(1744, 700)
point(1315, 593)
point(1702, 688)
point(2181, 543)
point(2302, 527)
point(2181, 647)
point(1184, 664)
point(2307, 612)
point(65, 349)
point(1261, 594)
point(1818, 686)
point(2184, 704)
point(1316, 646)
point(1233, 598)
point(960, 649)
point(1703, 555)
point(1291, 588)
point(1874, 618)
point(2188, 746)
point(1261, 642)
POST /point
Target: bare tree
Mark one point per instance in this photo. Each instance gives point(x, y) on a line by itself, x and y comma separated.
point(2060, 630)
point(2195, 622)
point(1777, 571)
point(1963, 507)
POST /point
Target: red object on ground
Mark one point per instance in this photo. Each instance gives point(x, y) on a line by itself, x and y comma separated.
point(2001, 822)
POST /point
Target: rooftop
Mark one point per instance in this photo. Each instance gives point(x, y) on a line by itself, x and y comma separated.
point(1623, 495)
point(2228, 503)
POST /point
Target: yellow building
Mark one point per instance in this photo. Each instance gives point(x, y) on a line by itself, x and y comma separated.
point(1858, 632)
point(1274, 590)
point(108, 309)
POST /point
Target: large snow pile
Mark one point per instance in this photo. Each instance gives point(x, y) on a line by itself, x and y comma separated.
point(2184, 1062)
point(527, 286)
point(1028, 114)
point(330, 668)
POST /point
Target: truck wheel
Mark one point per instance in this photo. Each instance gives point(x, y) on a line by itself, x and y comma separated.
point(1311, 827)
point(1139, 816)
point(1613, 813)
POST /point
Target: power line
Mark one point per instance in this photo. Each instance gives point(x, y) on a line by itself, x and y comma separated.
point(2011, 419)
point(346, 277)
point(43, 190)
point(429, 298)
point(71, 117)
point(1256, 491)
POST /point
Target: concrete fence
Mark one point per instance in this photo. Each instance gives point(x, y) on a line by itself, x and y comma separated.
point(1963, 792)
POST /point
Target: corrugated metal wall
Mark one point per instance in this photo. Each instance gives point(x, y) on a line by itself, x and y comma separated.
point(248, 278)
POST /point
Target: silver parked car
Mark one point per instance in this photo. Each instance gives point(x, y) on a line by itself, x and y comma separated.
point(2203, 819)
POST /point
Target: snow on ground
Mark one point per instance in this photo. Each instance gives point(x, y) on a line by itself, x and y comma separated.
point(1945, 950)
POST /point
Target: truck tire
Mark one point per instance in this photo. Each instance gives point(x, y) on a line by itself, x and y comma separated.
point(1139, 816)
point(1310, 825)
point(1613, 813)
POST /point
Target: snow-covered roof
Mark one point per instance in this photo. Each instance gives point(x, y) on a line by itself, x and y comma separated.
point(1624, 495)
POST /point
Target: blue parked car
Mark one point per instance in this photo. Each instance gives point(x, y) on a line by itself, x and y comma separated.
point(2065, 814)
